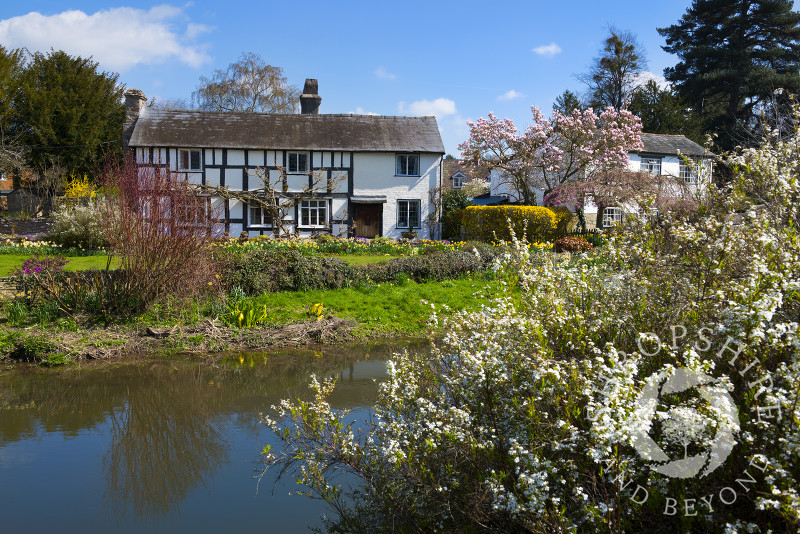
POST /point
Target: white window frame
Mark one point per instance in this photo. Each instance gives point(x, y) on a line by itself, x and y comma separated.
point(405, 206)
point(458, 180)
point(611, 216)
point(258, 216)
point(185, 154)
point(314, 213)
point(686, 172)
point(300, 164)
point(651, 165)
point(403, 166)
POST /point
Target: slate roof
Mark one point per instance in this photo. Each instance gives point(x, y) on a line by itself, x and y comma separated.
point(670, 145)
point(452, 166)
point(362, 133)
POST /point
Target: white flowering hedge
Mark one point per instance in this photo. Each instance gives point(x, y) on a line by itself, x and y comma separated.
point(536, 415)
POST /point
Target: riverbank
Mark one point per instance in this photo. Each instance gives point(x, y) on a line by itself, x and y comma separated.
point(378, 312)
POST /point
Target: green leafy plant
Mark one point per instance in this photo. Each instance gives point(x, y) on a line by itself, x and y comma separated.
point(244, 313)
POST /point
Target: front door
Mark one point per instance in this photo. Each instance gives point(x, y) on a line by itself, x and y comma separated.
point(367, 220)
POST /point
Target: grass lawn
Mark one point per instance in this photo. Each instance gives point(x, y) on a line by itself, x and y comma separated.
point(389, 307)
point(9, 262)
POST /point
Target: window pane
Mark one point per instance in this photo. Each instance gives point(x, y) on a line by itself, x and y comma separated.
point(184, 159)
point(413, 165)
point(413, 213)
point(195, 157)
point(302, 162)
point(402, 214)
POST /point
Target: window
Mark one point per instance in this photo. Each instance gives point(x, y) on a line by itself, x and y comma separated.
point(314, 213)
point(458, 180)
point(408, 213)
point(258, 216)
point(189, 160)
point(651, 165)
point(687, 173)
point(407, 165)
point(612, 216)
point(297, 162)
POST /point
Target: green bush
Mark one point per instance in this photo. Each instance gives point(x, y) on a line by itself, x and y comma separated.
point(269, 271)
point(439, 266)
point(454, 200)
point(78, 226)
point(451, 225)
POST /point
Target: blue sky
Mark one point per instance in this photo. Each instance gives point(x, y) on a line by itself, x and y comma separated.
point(455, 60)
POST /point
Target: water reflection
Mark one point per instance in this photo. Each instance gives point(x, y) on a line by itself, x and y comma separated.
point(157, 438)
point(165, 442)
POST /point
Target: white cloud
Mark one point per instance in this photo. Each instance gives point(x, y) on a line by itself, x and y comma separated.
point(644, 77)
point(547, 50)
point(361, 111)
point(384, 74)
point(118, 38)
point(510, 95)
point(439, 108)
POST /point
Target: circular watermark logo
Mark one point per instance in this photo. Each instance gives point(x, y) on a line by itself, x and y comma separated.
point(683, 423)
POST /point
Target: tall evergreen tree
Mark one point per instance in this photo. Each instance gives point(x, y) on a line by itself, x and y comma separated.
point(733, 55)
point(663, 112)
point(69, 113)
point(567, 102)
point(11, 65)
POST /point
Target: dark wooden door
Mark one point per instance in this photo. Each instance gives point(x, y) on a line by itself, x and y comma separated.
point(367, 220)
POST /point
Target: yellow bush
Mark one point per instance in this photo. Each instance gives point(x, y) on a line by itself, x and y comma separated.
point(80, 187)
point(491, 223)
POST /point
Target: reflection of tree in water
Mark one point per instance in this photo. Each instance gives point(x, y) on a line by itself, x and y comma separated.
point(164, 416)
point(164, 444)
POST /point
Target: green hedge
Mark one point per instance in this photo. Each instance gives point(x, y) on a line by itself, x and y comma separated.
point(270, 271)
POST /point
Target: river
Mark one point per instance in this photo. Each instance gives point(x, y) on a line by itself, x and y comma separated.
point(162, 445)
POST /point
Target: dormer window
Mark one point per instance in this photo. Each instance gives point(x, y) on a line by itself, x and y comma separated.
point(189, 160)
point(297, 162)
point(458, 180)
point(407, 165)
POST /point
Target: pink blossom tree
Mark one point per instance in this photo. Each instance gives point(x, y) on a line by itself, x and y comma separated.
point(551, 152)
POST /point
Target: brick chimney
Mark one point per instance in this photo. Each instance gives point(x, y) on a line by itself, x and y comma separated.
point(310, 100)
point(134, 103)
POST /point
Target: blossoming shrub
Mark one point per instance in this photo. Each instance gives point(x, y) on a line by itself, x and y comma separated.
point(538, 414)
point(491, 223)
point(78, 226)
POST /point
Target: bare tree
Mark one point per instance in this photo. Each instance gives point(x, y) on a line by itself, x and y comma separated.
point(249, 85)
point(274, 198)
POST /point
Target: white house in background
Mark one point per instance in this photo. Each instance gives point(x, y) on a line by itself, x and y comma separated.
point(662, 155)
point(379, 169)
